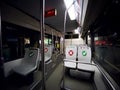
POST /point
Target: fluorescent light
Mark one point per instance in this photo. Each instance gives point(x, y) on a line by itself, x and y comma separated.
point(71, 9)
point(77, 31)
point(71, 13)
point(61, 39)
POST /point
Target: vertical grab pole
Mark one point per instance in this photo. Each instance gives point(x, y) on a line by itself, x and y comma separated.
point(92, 43)
point(64, 46)
point(65, 15)
point(52, 38)
point(1, 58)
point(86, 38)
point(0, 43)
point(42, 29)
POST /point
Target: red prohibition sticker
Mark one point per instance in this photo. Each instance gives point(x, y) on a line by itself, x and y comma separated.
point(46, 50)
point(70, 52)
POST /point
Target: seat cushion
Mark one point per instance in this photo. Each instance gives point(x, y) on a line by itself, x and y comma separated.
point(24, 69)
point(85, 67)
point(70, 64)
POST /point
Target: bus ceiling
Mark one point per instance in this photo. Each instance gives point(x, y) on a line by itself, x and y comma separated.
point(32, 8)
point(100, 15)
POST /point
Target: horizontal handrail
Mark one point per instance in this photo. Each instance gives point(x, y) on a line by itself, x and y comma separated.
point(72, 60)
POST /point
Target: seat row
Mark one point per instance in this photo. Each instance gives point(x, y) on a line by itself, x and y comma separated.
point(78, 57)
point(30, 62)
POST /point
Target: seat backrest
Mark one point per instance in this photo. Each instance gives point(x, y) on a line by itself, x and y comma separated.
point(71, 52)
point(48, 50)
point(84, 54)
point(31, 57)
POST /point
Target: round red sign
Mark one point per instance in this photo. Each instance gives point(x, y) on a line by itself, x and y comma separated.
point(46, 50)
point(70, 52)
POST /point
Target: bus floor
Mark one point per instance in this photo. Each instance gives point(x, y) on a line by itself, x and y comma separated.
point(82, 82)
point(76, 80)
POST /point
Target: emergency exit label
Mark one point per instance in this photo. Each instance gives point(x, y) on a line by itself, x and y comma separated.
point(84, 53)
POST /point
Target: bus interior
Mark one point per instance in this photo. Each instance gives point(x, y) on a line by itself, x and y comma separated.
point(43, 48)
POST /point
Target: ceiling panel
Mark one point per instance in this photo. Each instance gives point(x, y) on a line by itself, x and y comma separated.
point(32, 8)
